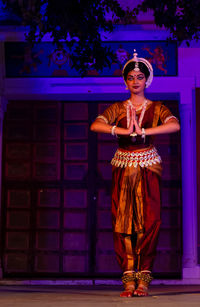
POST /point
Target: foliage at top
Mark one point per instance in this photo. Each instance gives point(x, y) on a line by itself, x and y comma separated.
point(180, 17)
point(80, 22)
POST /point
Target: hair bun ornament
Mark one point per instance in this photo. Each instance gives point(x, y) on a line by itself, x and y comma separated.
point(137, 61)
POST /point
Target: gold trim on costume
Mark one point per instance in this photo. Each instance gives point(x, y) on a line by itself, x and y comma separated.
point(170, 117)
point(102, 117)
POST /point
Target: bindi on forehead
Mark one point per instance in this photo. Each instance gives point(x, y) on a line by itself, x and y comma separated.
point(131, 74)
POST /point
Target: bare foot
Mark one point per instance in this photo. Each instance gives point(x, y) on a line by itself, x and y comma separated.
point(141, 290)
point(127, 293)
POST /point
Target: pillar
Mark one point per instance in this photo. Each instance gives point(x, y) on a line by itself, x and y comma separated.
point(3, 104)
point(190, 268)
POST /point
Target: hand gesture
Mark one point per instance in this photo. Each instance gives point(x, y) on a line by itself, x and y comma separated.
point(131, 122)
point(138, 130)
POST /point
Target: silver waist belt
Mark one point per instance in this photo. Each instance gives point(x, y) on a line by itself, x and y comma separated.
point(143, 158)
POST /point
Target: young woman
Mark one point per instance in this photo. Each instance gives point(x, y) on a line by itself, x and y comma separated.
point(136, 175)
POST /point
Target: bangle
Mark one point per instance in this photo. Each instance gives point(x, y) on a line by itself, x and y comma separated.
point(113, 130)
point(143, 134)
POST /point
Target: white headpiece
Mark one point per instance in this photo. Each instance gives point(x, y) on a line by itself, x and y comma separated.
point(137, 61)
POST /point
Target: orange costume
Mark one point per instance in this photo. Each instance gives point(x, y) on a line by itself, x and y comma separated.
point(136, 175)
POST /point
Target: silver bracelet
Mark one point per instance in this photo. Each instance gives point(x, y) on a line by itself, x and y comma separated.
point(113, 130)
point(143, 134)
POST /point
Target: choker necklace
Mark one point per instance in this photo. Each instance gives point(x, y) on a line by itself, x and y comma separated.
point(140, 105)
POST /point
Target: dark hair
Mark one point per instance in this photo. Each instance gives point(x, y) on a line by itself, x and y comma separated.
point(130, 66)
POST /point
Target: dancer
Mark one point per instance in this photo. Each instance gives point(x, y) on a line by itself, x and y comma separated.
point(136, 171)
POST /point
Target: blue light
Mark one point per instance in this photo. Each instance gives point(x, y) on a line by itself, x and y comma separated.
point(43, 8)
point(7, 17)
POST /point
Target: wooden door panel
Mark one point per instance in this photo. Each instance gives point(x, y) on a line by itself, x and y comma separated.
point(48, 218)
point(75, 171)
point(56, 196)
point(16, 262)
point(47, 263)
point(48, 240)
point(76, 111)
point(75, 198)
point(48, 197)
point(75, 131)
point(17, 240)
point(18, 198)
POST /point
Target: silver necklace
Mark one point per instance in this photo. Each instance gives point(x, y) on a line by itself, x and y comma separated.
point(142, 107)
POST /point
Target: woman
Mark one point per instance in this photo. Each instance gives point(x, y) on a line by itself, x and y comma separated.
point(136, 175)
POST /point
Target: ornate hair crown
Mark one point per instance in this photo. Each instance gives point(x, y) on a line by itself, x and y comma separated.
point(137, 61)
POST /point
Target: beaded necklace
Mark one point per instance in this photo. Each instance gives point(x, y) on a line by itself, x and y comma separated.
point(142, 107)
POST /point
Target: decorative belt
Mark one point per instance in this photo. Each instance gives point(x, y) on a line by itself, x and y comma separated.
point(143, 158)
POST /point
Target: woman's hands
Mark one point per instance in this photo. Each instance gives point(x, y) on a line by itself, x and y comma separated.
point(133, 122)
point(138, 130)
point(99, 125)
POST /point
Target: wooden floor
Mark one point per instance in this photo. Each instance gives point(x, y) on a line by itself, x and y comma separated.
point(96, 296)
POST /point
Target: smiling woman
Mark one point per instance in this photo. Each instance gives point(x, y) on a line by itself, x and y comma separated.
point(136, 175)
point(135, 81)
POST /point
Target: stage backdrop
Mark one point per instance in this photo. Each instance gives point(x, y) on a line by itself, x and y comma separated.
point(48, 60)
point(56, 193)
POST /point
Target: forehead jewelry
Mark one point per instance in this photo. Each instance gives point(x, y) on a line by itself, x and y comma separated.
point(137, 61)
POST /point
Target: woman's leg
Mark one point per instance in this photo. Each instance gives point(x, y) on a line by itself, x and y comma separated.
point(147, 242)
point(126, 258)
point(146, 220)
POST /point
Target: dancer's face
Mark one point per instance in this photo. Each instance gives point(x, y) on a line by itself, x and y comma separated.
point(136, 82)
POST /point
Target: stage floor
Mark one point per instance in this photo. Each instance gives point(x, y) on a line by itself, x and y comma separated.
point(96, 296)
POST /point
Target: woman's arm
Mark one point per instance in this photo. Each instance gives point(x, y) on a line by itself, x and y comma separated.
point(99, 125)
point(172, 125)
